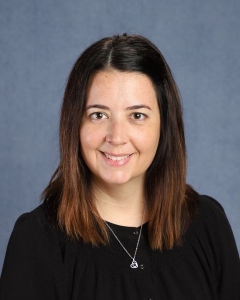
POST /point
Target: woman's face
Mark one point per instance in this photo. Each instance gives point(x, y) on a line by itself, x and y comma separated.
point(120, 129)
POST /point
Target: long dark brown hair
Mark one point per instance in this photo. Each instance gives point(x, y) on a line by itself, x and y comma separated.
point(171, 201)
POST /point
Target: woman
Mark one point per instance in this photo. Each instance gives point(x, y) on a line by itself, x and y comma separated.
point(118, 220)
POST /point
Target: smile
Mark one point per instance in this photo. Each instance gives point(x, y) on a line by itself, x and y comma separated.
point(116, 158)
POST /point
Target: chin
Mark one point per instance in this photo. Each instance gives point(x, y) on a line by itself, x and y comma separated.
point(121, 180)
point(116, 181)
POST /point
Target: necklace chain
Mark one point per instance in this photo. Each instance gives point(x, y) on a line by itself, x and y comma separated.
point(134, 263)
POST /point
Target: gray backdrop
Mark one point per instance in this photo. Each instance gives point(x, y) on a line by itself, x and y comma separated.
point(40, 40)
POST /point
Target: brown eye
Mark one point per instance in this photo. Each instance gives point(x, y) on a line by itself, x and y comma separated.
point(138, 116)
point(98, 116)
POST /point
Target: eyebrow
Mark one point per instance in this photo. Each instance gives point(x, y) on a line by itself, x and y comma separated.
point(128, 108)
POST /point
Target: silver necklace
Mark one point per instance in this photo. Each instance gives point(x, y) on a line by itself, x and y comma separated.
point(134, 264)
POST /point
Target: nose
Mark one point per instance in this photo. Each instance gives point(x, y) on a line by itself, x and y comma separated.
point(117, 133)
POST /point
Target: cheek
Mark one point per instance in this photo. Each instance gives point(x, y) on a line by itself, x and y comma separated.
point(150, 140)
point(89, 138)
point(150, 150)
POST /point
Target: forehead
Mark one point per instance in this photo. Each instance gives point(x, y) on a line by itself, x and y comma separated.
point(128, 86)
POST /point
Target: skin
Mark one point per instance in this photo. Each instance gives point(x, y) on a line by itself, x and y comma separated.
point(119, 136)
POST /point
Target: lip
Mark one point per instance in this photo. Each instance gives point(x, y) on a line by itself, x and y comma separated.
point(116, 159)
point(116, 155)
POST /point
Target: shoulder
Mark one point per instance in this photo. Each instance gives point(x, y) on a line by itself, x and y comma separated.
point(209, 207)
point(33, 232)
point(211, 212)
point(32, 222)
point(35, 217)
point(211, 237)
point(35, 242)
point(211, 229)
point(206, 201)
point(33, 263)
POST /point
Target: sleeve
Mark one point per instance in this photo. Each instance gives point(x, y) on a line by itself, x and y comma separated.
point(32, 268)
point(225, 252)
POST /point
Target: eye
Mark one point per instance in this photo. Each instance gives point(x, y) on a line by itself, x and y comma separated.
point(138, 116)
point(98, 116)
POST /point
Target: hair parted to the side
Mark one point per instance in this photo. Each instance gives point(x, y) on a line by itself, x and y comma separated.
point(171, 201)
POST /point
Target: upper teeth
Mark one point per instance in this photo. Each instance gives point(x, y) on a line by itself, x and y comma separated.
point(116, 157)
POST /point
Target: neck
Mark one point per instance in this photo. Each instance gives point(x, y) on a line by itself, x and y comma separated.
point(121, 204)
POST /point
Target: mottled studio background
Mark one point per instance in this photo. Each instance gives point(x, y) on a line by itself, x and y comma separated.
point(39, 42)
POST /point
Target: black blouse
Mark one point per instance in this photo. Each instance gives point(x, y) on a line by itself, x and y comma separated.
point(43, 264)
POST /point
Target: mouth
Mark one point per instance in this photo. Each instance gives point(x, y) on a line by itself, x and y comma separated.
point(116, 158)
